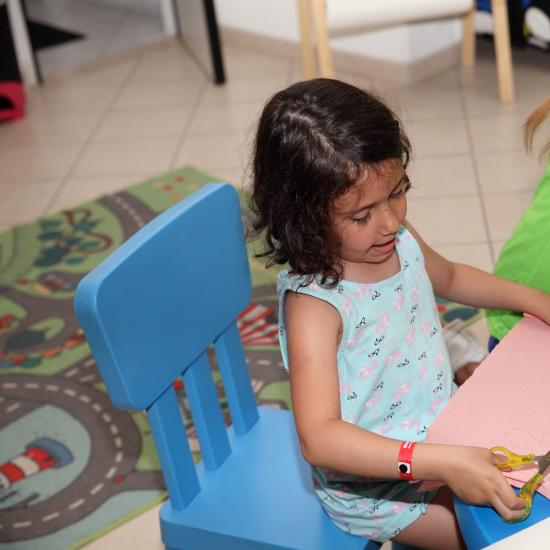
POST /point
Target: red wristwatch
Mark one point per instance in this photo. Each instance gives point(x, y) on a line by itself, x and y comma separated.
point(404, 460)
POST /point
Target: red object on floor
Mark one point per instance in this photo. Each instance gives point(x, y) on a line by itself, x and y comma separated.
point(12, 92)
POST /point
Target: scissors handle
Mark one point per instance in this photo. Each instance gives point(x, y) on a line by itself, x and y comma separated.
point(527, 492)
point(513, 460)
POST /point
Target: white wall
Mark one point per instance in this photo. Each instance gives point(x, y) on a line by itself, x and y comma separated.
point(391, 44)
point(428, 38)
point(279, 19)
point(275, 18)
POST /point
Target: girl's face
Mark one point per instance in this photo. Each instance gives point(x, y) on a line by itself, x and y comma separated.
point(367, 217)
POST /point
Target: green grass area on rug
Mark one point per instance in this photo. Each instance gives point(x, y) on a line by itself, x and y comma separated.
point(88, 467)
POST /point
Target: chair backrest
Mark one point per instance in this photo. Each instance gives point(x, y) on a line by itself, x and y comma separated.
point(350, 16)
point(151, 311)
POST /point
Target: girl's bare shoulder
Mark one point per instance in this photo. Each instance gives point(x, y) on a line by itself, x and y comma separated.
point(308, 311)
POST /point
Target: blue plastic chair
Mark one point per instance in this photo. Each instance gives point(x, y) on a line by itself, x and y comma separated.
point(481, 526)
point(150, 313)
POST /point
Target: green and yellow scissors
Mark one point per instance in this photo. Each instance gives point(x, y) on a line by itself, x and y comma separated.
point(515, 461)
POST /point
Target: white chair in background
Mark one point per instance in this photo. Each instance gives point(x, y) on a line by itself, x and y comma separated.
point(323, 19)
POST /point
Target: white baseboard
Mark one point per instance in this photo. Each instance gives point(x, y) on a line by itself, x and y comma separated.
point(347, 62)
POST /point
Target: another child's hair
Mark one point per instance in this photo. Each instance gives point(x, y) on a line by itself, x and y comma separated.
point(315, 139)
point(534, 120)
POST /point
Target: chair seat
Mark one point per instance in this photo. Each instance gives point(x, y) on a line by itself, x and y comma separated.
point(275, 508)
point(349, 16)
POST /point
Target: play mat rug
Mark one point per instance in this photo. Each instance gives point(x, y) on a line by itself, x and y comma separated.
point(71, 466)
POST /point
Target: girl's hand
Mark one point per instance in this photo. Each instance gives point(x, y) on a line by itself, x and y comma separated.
point(470, 472)
point(543, 308)
point(461, 375)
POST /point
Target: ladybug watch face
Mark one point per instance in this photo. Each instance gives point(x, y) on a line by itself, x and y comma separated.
point(404, 467)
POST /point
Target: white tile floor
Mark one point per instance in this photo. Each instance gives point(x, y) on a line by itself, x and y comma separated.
point(136, 116)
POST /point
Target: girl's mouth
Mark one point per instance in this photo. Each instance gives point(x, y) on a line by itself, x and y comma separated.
point(384, 248)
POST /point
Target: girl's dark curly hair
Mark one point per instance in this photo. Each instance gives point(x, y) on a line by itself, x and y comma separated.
point(314, 141)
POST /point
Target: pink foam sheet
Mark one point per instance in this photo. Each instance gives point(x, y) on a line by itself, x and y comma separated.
point(506, 402)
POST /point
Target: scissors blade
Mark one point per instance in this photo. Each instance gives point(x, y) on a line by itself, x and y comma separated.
point(544, 462)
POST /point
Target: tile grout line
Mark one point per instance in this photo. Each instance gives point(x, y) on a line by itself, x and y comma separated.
point(187, 126)
point(93, 131)
point(473, 159)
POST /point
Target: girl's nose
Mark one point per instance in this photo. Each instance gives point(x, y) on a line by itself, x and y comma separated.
point(390, 220)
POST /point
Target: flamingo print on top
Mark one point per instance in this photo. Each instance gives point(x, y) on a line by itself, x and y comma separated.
point(395, 377)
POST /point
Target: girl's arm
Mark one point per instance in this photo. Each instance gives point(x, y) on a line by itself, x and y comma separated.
point(326, 440)
point(469, 285)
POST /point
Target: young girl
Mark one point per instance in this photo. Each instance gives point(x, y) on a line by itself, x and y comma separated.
point(525, 257)
point(359, 327)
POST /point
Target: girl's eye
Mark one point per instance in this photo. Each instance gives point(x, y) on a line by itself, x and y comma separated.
point(364, 219)
point(405, 186)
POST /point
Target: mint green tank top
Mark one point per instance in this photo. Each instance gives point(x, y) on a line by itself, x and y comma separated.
point(394, 375)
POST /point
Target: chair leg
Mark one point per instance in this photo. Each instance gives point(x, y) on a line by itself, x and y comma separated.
point(306, 39)
point(503, 51)
point(469, 39)
point(324, 53)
